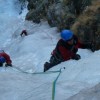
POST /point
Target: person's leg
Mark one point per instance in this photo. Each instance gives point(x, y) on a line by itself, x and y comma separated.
point(47, 66)
point(52, 63)
point(1, 64)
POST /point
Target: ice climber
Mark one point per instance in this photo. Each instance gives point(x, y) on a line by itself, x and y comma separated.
point(5, 58)
point(66, 49)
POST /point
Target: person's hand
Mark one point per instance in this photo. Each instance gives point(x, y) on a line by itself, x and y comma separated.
point(6, 65)
point(76, 57)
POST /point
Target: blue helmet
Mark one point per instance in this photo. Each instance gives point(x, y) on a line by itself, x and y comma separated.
point(2, 60)
point(66, 35)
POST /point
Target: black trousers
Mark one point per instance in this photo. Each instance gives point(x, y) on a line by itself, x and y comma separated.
point(52, 62)
point(1, 64)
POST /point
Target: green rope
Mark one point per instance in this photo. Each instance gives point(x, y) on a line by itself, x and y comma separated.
point(54, 86)
point(48, 72)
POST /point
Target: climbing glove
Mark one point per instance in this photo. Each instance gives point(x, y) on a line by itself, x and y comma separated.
point(76, 57)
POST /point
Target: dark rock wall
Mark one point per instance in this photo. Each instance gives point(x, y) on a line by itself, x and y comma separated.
point(59, 13)
point(82, 16)
point(87, 26)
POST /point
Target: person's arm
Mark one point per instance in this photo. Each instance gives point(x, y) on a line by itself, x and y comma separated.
point(21, 34)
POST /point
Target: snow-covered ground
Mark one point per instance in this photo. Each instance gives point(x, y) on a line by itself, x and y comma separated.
point(76, 82)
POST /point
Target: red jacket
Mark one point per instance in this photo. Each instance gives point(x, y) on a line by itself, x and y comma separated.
point(66, 51)
point(7, 57)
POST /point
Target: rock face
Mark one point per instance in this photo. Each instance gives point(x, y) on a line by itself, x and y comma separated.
point(82, 16)
point(59, 13)
point(87, 27)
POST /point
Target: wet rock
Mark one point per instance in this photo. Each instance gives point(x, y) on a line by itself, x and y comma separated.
point(87, 26)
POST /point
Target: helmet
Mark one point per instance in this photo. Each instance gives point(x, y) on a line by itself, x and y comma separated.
point(2, 60)
point(66, 35)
